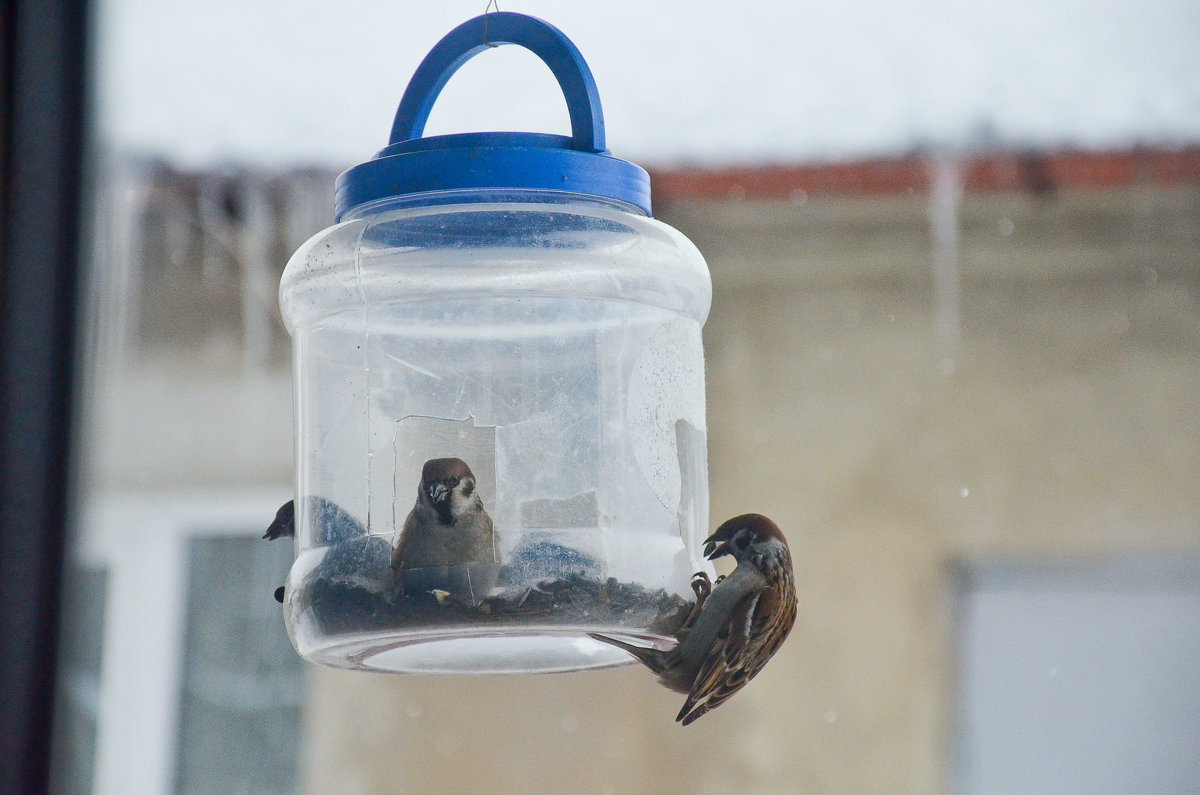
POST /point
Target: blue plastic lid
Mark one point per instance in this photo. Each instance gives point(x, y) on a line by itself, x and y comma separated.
point(411, 164)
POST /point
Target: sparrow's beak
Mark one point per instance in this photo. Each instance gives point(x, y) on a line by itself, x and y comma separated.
point(716, 547)
point(438, 492)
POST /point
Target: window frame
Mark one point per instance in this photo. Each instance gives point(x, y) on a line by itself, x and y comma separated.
point(141, 540)
point(43, 76)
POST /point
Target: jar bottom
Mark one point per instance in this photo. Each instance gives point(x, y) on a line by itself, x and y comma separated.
point(494, 653)
point(505, 654)
point(538, 652)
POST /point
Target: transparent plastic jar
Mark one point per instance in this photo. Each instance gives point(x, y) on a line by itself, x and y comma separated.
point(550, 341)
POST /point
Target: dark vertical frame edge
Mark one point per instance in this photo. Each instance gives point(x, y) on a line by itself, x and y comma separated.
point(42, 80)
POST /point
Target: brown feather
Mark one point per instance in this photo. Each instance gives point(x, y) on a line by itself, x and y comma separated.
point(737, 624)
point(761, 622)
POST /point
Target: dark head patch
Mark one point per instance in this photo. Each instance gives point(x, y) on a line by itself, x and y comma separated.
point(444, 470)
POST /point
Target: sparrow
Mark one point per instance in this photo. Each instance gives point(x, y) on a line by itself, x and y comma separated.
point(330, 522)
point(736, 625)
point(333, 526)
point(448, 525)
point(284, 524)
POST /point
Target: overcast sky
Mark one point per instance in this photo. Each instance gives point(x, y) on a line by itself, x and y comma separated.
point(697, 82)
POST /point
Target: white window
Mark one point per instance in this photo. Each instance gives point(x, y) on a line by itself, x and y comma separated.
point(1080, 679)
point(197, 687)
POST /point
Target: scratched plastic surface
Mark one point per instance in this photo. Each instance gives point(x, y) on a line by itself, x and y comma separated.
point(553, 343)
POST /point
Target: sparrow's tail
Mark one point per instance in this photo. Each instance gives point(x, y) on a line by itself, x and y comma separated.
point(651, 658)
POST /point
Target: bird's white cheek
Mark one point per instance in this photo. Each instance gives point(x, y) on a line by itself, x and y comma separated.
point(458, 503)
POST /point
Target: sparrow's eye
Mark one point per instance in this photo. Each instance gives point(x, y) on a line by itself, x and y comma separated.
point(742, 540)
point(454, 481)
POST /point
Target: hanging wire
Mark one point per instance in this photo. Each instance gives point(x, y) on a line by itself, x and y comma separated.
point(492, 5)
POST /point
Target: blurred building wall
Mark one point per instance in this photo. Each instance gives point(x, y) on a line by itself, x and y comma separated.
point(1061, 421)
point(1038, 397)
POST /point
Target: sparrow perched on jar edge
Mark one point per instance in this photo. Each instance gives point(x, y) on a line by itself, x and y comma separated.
point(734, 628)
point(330, 523)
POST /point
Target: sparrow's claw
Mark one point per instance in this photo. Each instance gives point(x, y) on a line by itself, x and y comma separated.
point(702, 587)
point(398, 577)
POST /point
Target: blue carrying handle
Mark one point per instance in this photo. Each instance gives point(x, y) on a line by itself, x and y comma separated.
point(447, 165)
point(475, 35)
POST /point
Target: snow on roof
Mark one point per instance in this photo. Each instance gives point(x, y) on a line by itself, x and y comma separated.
point(694, 82)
